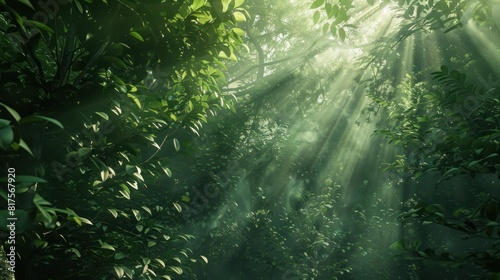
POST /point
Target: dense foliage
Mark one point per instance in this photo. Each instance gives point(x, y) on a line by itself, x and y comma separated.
point(91, 91)
point(225, 139)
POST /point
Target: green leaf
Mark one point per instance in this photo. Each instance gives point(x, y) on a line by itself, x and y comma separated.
point(205, 259)
point(12, 112)
point(23, 145)
point(177, 207)
point(225, 5)
point(162, 263)
point(326, 26)
point(451, 171)
point(40, 201)
point(176, 269)
point(38, 25)
point(79, 6)
point(341, 16)
point(84, 220)
point(342, 34)
point(105, 245)
point(120, 255)
point(4, 122)
point(335, 10)
point(75, 251)
point(37, 118)
point(239, 16)
point(137, 214)
point(103, 115)
point(398, 245)
point(6, 137)
point(119, 272)
point(167, 172)
point(130, 169)
point(238, 3)
point(177, 146)
point(40, 244)
point(27, 3)
point(125, 191)
point(333, 29)
point(137, 102)
point(84, 151)
point(316, 17)
point(113, 212)
point(316, 4)
point(136, 35)
point(197, 4)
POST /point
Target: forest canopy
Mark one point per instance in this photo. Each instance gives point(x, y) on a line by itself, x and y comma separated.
point(232, 139)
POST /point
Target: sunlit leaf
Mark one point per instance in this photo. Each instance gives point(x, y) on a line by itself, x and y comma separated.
point(113, 212)
point(177, 207)
point(135, 99)
point(238, 3)
point(177, 145)
point(136, 35)
point(239, 16)
point(167, 171)
point(225, 5)
point(107, 246)
point(176, 269)
point(205, 259)
point(119, 272)
point(162, 263)
point(197, 4)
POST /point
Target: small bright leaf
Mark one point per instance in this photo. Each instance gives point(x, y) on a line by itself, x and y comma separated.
point(177, 207)
point(119, 272)
point(177, 146)
point(137, 36)
point(107, 246)
point(205, 259)
point(176, 269)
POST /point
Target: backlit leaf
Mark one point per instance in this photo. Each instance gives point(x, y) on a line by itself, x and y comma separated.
point(177, 146)
point(119, 272)
point(177, 207)
point(137, 36)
